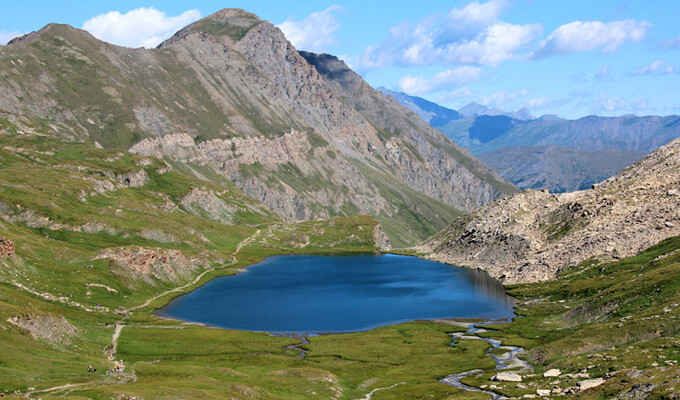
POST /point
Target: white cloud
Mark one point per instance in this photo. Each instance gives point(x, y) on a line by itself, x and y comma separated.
point(457, 95)
point(502, 98)
point(499, 42)
point(314, 33)
point(538, 103)
point(443, 80)
point(471, 35)
point(142, 27)
point(658, 67)
point(592, 35)
point(7, 36)
point(617, 104)
point(471, 19)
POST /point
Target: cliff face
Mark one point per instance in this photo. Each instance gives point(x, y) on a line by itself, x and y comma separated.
point(230, 96)
point(533, 235)
point(445, 171)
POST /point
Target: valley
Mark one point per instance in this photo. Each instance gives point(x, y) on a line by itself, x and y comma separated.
point(134, 179)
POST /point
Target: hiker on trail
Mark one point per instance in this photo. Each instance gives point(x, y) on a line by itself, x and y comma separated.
point(89, 368)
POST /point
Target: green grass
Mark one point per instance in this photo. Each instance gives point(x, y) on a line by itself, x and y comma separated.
point(617, 316)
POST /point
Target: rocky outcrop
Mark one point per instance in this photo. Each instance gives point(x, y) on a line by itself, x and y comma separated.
point(151, 263)
point(6, 247)
point(52, 328)
point(533, 235)
point(382, 242)
point(133, 179)
point(180, 145)
point(33, 219)
point(205, 202)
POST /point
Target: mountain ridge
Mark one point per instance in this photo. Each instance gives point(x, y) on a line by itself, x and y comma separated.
point(291, 142)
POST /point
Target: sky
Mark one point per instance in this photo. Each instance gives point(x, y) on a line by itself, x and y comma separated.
point(570, 58)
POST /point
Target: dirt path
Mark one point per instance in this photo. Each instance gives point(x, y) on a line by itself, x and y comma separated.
point(119, 325)
point(372, 392)
point(201, 275)
point(111, 352)
point(239, 246)
point(114, 340)
point(61, 388)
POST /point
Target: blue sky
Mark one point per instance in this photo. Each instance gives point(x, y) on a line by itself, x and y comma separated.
point(571, 58)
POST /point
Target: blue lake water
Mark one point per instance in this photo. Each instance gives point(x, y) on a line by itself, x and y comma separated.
point(320, 294)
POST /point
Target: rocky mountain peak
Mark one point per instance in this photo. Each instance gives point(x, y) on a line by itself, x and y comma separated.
point(232, 23)
point(60, 31)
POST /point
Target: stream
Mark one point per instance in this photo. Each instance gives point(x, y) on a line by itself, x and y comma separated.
point(507, 360)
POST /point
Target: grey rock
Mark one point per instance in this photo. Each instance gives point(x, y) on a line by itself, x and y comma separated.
point(507, 377)
point(637, 392)
point(590, 383)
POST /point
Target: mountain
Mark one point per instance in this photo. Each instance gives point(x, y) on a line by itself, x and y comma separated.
point(534, 235)
point(228, 96)
point(430, 112)
point(484, 134)
point(594, 148)
point(556, 168)
point(475, 109)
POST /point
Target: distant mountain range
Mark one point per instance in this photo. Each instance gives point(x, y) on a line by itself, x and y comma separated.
point(474, 109)
point(558, 168)
point(549, 152)
point(430, 112)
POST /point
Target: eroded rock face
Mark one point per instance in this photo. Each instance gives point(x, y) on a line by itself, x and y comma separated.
point(382, 242)
point(52, 328)
point(531, 236)
point(147, 263)
point(6, 247)
point(133, 179)
point(205, 202)
point(419, 154)
point(180, 145)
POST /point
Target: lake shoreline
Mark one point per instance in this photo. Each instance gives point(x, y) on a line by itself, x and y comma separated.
point(382, 283)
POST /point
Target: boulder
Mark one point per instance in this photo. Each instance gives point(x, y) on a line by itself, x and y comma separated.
point(543, 392)
point(590, 383)
point(552, 373)
point(507, 377)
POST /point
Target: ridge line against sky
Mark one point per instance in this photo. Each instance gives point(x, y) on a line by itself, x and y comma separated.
point(568, 58)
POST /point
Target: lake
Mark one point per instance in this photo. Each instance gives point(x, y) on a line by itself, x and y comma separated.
point(323, 294)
